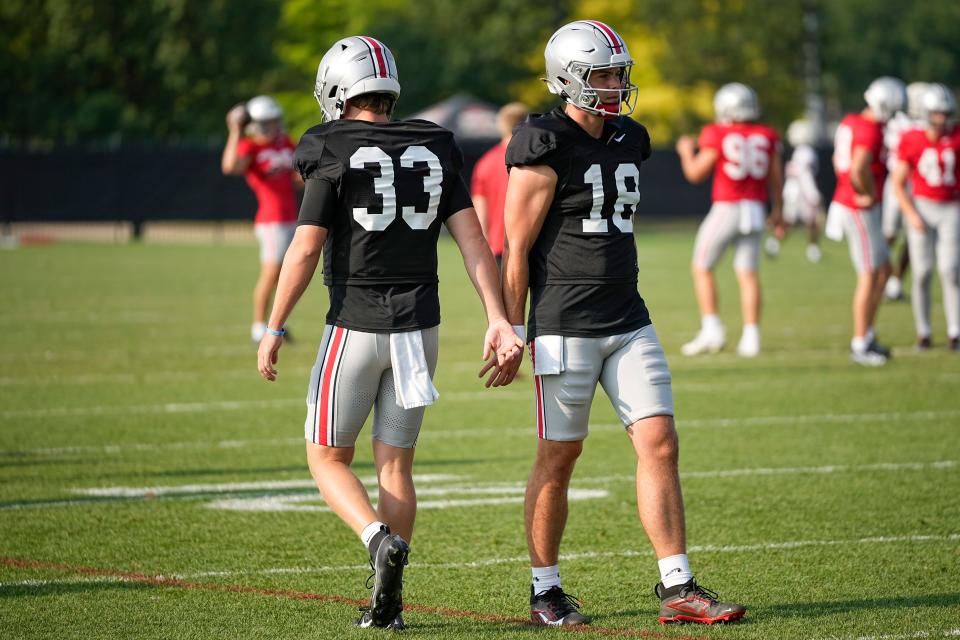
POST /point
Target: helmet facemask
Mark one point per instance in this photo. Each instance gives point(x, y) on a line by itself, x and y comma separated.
point(578, 92)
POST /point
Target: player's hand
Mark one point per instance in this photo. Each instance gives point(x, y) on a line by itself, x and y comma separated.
point(237, 117)
point(864, 200)
point(267, 355)
point(503, 352)
point(686, 145)
point(775, 223)
point(916, 222)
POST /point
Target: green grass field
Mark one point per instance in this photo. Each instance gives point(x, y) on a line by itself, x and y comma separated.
point(153, 486)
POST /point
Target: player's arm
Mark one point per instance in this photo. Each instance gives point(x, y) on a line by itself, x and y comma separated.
point(899, 177)
point(480, 205)
point(860, 177)
point(530, 193)
point(299, 264)
point(500, 343)
point(775, 187)
point(696, 167)
point(231, 163)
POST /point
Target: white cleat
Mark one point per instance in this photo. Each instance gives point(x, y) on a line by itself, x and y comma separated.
point(748, 347)
point(704, 343)
point(893, 289)
point(771, 246)
point(814, 254)
point(868, 358)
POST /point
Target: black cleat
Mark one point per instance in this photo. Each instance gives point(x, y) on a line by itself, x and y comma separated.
point(366, 620)
point(689, 602)
point(954, 344)
point(387, 563)
point(876, 347)
point(555, 608)
point(924, 343)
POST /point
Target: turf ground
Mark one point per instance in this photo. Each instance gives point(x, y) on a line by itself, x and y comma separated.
point(153, 486)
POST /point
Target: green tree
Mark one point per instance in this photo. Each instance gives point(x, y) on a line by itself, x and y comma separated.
point(864, 39)
point(158, 70)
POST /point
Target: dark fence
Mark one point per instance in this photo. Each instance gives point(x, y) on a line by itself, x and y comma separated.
point(139, 184)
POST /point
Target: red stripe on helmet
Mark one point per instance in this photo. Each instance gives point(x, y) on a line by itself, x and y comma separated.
point(380, 61)
point(612, 36)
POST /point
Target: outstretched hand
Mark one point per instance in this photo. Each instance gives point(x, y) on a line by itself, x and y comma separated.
point(502, 353)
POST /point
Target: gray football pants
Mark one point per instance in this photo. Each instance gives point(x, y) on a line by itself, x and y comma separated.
point(940, 241)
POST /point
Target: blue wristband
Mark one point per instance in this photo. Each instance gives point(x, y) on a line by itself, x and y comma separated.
point(274, 332)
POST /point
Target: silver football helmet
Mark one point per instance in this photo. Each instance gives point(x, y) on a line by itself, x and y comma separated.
point(915, 91)
point(578, 48)
point(801, 132)
point(264, 109)
point(351, 67)
point(938, 99)
point(885, 96)
point(736, 102)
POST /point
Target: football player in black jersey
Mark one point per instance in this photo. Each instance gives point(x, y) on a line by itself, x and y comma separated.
point(574, 175)
point(376, 194)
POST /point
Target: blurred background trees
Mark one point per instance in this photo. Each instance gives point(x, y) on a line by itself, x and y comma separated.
point(168, 70)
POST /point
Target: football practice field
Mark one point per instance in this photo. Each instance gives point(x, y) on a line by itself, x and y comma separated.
point(152, 485)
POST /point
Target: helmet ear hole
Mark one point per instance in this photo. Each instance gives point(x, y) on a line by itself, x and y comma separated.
point(333, 91)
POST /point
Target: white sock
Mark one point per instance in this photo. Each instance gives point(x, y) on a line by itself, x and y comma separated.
point(371, 530)
point(870, 336)
point(544, 578)
point(859, 345)
point(711, 323)
point(257, 330)
point(751, 332)
point(674, 570)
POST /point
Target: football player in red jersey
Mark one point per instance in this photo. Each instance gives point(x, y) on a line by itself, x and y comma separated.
point(745, 160)
point(488, 186)
point(377, 193)
point(574, 185)
point(928, 158)
point(859, 162)
point(264, 157)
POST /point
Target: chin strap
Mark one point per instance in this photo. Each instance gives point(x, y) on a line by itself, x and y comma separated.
point(611, 110)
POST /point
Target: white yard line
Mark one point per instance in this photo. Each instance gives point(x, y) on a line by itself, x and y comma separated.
point(590, 555)
point(945, 633)
point(304, 489)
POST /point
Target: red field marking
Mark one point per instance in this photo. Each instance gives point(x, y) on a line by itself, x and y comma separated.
point(165, 581)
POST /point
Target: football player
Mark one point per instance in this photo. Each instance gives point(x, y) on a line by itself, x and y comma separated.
point(928, 157)
point(859, 162)
point(574, 185)
point(377, 193)
point(899, 124)
point(488, 185)
point(802, 201)
point(259, 150)
point(745, 160)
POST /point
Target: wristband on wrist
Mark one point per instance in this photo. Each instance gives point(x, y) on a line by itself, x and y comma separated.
point(520, 331)
point(275, 332)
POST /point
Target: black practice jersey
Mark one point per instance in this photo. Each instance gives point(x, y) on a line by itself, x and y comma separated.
point(387, 189)
point(583, 265)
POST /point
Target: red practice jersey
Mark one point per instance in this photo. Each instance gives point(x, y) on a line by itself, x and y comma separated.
point(856, 131)
point(490, 182)
point(270, 176)
point(933, 163)
point(745, 151)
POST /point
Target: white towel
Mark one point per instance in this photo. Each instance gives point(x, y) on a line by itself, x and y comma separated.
point(547, 355)
point(834, 226)
point(411, 377)
point(751, 216)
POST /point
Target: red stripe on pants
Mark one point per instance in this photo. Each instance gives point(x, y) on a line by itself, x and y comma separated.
point(336, 342)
